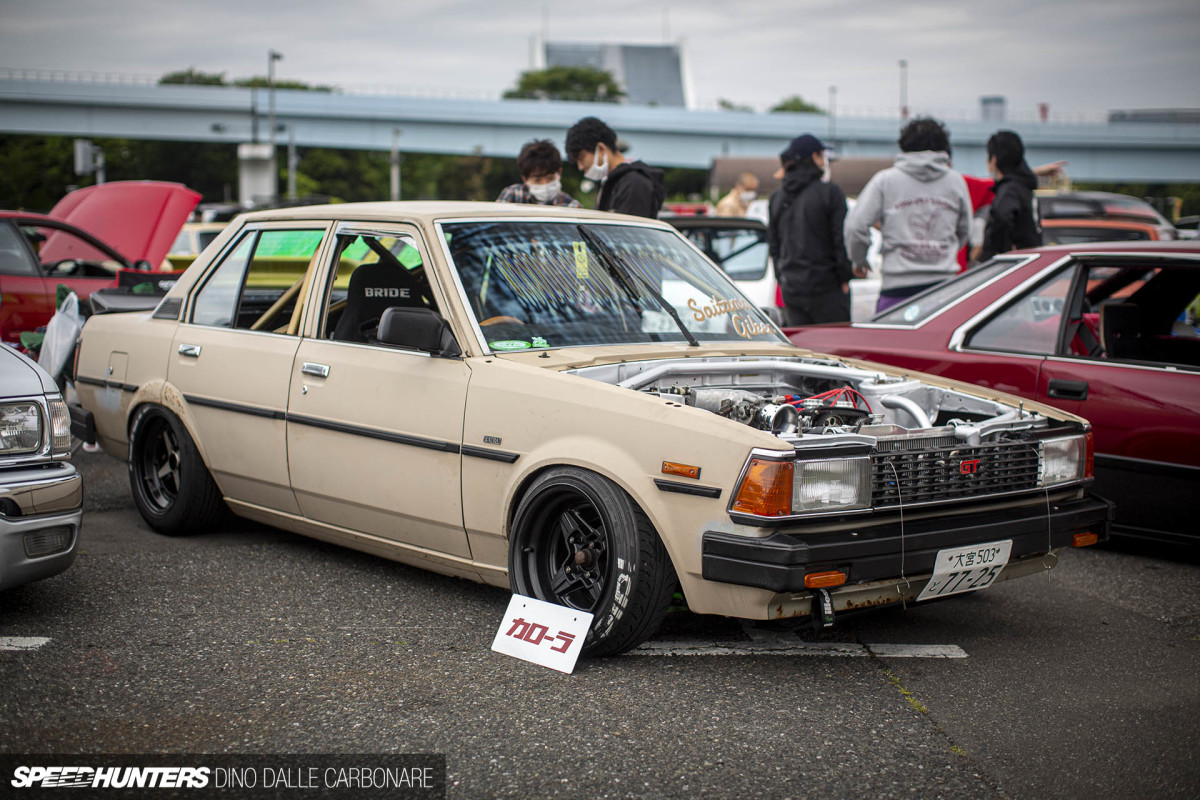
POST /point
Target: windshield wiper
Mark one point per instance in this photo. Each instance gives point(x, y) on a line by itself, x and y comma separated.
point(613, 264)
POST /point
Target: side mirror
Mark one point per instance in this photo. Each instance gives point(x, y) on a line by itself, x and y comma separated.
point(417, 329)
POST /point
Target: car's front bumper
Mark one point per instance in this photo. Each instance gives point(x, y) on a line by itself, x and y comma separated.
point(894, 550)
point(40, 518)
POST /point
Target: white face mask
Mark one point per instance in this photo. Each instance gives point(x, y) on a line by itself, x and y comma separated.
point(545, 192)
point(748, 197)
point(598, 171)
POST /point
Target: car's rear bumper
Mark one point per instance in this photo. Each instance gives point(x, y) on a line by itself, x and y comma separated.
point(879, 552)
point(40, 519)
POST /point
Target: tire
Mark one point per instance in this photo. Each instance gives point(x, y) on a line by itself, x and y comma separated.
point(172, 487)
point(572, 519)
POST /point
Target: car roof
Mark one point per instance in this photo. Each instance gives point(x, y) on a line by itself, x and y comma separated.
point(432, 211)
point(703, 221)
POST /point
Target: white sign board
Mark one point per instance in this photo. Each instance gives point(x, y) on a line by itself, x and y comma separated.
point(541, 632)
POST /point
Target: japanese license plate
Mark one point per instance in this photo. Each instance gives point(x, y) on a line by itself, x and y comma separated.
point(965, 569)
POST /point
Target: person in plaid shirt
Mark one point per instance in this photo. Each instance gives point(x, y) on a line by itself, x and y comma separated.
point(541, 176)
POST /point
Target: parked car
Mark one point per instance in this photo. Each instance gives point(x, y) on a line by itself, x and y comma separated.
point(1082, 231)
point(83, 242)
point(738, 245)
point(41, 494)
point(1086, 209)
point(191, 241)
point(1099, 330)
point(573, 404)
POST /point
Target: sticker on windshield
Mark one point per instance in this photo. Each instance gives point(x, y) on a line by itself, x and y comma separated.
point(719, 306)
point(510, 344)
point(540, 342)
point(581, 260)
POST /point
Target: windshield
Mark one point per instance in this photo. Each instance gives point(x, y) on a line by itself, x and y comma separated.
point(925, 305)
point(561, 284)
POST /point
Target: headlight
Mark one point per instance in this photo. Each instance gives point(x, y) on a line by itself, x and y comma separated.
point(836, 484)
point(1064, 460)
point(60, 427)
point(21, 428)
point(780, 487)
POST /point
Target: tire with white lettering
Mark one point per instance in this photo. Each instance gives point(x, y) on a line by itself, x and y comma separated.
point(578, 540)
point(172, 487)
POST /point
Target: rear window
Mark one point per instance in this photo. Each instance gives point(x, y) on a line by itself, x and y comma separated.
point(931, 301)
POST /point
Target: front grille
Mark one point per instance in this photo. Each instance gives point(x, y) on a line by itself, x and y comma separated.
point(953, 472)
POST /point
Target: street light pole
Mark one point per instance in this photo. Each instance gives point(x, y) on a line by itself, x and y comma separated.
point(272, 57)
point(833, 115)
point(903, 90)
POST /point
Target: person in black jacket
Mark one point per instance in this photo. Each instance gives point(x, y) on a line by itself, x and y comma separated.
point(1011, 222)
point(805, 238)
point(626, 187)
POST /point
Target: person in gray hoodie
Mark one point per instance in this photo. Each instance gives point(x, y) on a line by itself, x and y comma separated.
point(923, 210)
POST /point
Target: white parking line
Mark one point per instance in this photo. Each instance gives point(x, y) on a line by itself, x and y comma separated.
point(779, 648)
point(22, 642)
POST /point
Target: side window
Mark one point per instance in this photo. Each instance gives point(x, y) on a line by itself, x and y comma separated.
point(14, 256)
point(1030, 324)
point(742, 253)
point(374, 272)
point(63, 254)
point(258, 284)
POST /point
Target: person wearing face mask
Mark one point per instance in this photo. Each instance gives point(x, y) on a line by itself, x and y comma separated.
point(737, 202)
point(541, 177)
point(804, 236)
point(626, 187)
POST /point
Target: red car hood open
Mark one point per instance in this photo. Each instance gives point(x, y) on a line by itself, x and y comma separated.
point(139, 219)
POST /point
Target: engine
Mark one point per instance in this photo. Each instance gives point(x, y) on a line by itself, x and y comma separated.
point(800, 397)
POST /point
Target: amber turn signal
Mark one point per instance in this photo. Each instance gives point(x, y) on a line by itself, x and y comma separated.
point(824, 580)
point(1084, 539)
point(766, 490)
point(682, 470)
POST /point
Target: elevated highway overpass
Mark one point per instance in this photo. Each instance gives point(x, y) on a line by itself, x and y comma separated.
point(1114, 151)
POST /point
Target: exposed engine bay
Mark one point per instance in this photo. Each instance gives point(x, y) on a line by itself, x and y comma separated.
point(795, 398)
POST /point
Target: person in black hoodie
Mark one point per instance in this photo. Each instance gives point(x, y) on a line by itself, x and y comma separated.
point(1011, 222)
point(805, 238)
point(626, 187)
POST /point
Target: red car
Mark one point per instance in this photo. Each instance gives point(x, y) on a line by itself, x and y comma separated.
point(1106, 331)
point(89, 235)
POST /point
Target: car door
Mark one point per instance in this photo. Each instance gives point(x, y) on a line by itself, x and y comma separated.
point(25, 300)
point(232, 358)
point(1142, 407)
point(374, 432)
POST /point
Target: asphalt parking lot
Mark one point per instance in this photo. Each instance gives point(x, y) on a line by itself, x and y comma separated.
point(251, 640)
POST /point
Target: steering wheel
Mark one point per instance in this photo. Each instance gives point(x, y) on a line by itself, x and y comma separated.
point(66, 267)
point(502, 318)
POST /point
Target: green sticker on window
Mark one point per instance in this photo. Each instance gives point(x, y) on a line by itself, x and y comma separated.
point(510, 344)
point(581, 260)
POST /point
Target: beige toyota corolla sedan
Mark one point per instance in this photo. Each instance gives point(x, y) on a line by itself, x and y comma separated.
point(576, 405)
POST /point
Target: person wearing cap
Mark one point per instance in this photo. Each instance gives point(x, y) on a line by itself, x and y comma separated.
point(804, 236)
point(626, 187)
point(924, 214)
point(737, 202)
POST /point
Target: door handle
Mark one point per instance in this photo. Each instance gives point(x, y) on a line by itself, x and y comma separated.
point(1068, 390)
point(189, 350)
point(319, 370)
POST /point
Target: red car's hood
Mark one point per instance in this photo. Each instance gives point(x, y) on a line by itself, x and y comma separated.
point(139, 219)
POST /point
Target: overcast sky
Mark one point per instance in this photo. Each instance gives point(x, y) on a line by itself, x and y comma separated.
point(1077, 55)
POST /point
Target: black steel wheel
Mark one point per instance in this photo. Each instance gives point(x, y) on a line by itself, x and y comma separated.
point(580, 541)
point(172, 487)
